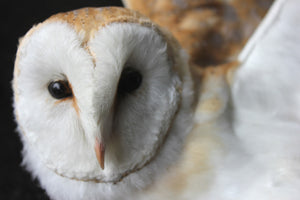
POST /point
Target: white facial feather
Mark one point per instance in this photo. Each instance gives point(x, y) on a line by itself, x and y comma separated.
point(53, 53)
point(59, 135)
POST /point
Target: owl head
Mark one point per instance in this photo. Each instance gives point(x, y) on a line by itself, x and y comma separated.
point(102, 99)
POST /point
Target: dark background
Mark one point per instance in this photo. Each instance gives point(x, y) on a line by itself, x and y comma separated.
point(17, 18)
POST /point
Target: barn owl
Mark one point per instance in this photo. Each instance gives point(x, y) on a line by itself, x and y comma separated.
point(107, 108)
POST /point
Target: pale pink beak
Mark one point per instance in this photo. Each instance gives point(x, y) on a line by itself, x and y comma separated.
point(100, 151)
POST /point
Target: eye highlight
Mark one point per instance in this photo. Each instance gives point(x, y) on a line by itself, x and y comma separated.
point(60, 89)
point(130, 80)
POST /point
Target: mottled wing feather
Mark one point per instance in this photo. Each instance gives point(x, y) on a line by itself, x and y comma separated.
point(213, 32)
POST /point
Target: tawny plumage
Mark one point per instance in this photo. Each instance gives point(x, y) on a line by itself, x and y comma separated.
point(213, 32)
point(110, 106)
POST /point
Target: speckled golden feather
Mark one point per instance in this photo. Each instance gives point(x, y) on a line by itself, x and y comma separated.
point(213, 32)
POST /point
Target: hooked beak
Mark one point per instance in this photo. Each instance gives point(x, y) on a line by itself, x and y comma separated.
point(100, 151)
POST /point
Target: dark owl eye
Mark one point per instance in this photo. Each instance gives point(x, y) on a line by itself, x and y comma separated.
point(60, 89)
point(130, 80)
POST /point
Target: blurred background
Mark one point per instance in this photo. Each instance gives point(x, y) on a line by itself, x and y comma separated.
point(17, 18)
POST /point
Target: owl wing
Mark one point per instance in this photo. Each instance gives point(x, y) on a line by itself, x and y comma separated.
point(267, 81)
point(266, 98)
point(213, 32)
